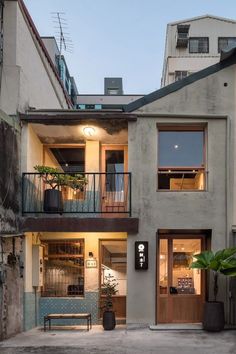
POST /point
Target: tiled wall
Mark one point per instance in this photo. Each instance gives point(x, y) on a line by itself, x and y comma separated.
point(29, 310)
point(69, 305)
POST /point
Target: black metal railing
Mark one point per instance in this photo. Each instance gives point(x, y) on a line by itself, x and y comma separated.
point(84, 193)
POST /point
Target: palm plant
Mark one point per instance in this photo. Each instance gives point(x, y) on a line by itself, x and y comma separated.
point(221, 262)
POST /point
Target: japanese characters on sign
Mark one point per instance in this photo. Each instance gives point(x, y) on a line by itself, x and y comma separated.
point(141, 255)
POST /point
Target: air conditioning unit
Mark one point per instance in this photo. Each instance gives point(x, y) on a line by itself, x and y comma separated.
point(37, 265)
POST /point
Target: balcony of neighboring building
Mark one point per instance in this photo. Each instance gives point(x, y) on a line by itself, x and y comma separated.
point(75, 165)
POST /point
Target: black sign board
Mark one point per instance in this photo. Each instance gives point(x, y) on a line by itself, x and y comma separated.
point(141, 255)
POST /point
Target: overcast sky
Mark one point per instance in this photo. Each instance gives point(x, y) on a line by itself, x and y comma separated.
point(120, 38)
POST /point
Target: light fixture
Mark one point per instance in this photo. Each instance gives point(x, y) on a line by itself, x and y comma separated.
point(169, 171)
point(89, 131)
point(91, 254)
point(176, 146)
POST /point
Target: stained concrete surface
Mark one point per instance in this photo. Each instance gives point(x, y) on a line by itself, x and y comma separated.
point(120, 341)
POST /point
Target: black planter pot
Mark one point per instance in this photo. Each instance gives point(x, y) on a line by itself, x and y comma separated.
point(53, 201)
point(108, 320)
point(213, 316)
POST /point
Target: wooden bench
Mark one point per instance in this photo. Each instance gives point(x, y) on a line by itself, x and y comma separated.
point(56, 316)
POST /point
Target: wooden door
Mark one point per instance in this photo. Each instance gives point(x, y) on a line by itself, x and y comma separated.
point(114, 181)
point(180, 290)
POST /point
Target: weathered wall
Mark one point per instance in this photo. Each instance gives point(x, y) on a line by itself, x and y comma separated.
point(27, 78)
point(211, 209)
point(11, 281)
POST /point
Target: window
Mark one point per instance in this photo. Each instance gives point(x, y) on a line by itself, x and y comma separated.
point(63, 268)
point(199, 45)
point(179, 75)
point(70, 159)
point(181, 158)
point(226, 42)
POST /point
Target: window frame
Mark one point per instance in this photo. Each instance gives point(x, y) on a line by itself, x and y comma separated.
point(219, 38)
point(199, 52)
point(183, 128)
point(45, 257)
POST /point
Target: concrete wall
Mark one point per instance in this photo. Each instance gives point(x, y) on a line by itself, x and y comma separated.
point(178, 59)
point(210, 209)
point(44, 305)
point(27, 78)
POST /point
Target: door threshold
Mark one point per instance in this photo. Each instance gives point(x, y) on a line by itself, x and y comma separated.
point(175, 326)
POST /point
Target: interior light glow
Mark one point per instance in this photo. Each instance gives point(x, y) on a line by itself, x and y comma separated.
point(89, 131)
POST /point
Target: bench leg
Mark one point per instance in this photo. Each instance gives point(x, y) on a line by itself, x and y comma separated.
point(49, 324)
point(45, 324)
point(90, 321)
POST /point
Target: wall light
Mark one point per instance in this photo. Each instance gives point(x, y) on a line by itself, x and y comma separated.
point(89, 131)
point(91, 254)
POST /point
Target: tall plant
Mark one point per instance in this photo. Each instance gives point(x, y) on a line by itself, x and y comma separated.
point(221, 262)
point(109, 288)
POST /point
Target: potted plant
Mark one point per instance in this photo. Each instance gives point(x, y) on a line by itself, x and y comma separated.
point(108, 290)
point(222, 262)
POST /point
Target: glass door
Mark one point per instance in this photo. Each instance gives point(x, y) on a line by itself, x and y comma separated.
point(114, 181)
point(181, 290)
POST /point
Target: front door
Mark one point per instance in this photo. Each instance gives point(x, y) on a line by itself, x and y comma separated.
point(181, 290)
point(114, 179)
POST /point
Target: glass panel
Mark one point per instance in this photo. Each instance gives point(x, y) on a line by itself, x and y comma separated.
point(115, 164)
point(181, 148)
point(114, 264)
point(70, 159)
point(185, 280)
point(181, 180)
point(163, 266)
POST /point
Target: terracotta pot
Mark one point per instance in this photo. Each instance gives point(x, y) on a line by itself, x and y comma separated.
point(213, 316)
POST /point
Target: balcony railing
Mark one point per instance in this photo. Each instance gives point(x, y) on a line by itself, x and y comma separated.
point(102, 193)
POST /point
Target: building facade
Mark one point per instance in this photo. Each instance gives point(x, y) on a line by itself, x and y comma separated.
point(194, 44)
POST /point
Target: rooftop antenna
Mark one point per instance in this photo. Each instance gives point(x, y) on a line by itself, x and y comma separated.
point(65, 43)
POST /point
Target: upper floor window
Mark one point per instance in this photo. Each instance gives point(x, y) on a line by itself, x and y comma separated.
point(225, 42)
point(181, 158)
point(199, 45)
point(179, 75)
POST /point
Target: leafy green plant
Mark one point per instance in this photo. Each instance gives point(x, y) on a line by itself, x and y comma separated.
point(221, 262)
point(108, 288)
point(55, 178)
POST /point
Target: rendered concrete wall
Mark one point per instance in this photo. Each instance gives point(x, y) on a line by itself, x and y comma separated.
point(211, 209)
point(27, 78)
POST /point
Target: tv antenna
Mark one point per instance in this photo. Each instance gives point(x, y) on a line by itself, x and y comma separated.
point(62, 37)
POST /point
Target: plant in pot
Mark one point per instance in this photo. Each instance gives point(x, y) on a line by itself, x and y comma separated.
point(222, 262)
point(53, 177)
point(108, 290)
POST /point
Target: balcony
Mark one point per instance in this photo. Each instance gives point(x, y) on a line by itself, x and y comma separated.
point(101, 195)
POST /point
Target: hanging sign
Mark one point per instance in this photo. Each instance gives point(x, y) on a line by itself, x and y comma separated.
point(141, 255)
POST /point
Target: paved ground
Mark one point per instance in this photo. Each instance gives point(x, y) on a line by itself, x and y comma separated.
point(120, 341)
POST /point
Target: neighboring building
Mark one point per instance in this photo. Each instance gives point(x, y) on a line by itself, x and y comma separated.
point(61, 67)
point(113, 97)
point(194, 44)
point(175, 150)
point(27, 79)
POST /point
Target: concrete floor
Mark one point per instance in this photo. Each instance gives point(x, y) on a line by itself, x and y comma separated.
point(120, 341)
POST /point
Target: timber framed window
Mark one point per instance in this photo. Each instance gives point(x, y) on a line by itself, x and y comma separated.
point(181, 158)
point(63, 268)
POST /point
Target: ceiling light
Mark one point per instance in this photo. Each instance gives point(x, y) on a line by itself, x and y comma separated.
point(89, 131)
point(176, 146)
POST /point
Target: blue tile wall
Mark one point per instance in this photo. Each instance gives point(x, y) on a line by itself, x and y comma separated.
point(69, 305)
point(29, 310)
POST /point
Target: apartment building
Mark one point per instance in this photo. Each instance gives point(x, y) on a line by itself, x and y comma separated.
point(194, 44)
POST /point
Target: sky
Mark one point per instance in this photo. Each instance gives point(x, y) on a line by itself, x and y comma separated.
point(120, 38)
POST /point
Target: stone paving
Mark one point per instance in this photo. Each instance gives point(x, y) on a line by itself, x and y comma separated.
point(120, 341)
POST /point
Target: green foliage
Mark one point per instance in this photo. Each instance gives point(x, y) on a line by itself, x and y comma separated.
point(108, 289)
point(221, 262)
point(56, 178)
